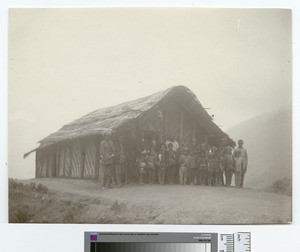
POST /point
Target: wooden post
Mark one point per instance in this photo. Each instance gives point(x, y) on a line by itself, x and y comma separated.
point(64, 159)
point(54, 161)
point(82, 161)
point(181, 124)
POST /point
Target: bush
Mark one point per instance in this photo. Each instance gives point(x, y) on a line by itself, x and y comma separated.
point(20, 186)
point(32, 186)
point(282, 186)
point(41, 188)
point(22, 215)
point(12, 184)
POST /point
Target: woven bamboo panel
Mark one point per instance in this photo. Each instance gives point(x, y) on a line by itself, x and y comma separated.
point(67, 163)
point(49, 165)
point(59, 162)
point(64, 162)
point(90, 159)
point(75, 154)
point(38, 164)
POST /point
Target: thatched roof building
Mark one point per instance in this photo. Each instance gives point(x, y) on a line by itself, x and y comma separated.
point(73, 150)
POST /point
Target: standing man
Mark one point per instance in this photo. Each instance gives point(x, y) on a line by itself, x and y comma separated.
point(228, 165)
point(120, 160)
point(244, 156)
point(179, 152)
point(222, 147)
point(107, 153)
point(172, 162)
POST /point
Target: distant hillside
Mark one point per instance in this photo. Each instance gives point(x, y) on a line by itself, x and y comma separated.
point(268, 139)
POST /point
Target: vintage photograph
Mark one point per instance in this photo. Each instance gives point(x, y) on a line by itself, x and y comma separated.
point(150, 116)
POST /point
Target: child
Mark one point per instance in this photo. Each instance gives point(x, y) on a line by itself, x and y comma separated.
point(142, 165)
point(228, 165)
point(162, 163)
point(202, 173)
point(172, 161)
point(212, 166)
point(192, 171)
point(184, 166)
point(152, 165)
point(238, 165)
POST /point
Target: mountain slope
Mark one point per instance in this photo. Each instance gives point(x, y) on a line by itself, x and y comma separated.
point(268, 140)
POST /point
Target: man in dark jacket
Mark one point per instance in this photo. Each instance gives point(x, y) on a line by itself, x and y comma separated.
point(120, 160)
point(107, 153)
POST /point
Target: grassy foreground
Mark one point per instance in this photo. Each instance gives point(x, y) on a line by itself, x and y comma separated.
point(82, 201)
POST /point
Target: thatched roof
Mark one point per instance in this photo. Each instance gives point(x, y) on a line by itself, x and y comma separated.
point(111, 118)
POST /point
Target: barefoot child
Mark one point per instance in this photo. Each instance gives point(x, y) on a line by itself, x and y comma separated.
point(184, 166)
point(142, 165)
point(152, 165)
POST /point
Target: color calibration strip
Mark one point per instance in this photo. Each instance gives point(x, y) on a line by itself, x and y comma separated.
point(150, 247)
point(167, 242)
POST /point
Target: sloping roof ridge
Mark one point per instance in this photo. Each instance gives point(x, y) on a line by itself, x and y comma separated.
point(132, 106)
point(124, 104)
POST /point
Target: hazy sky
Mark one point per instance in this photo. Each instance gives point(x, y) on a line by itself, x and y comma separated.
point(66, 63)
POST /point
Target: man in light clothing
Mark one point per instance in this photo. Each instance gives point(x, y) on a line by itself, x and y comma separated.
point(244, 156)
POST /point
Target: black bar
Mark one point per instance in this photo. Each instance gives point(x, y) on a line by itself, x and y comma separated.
point(93, 247)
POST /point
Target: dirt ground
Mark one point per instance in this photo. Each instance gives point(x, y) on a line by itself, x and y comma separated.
point(83, 201)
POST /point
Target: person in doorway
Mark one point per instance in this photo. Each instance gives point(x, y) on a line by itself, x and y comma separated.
point(171, 165)
point(120, 160)
point(107, 154)
point(244, 157)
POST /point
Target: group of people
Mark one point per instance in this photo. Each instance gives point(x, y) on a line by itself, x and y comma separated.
point(171, 162)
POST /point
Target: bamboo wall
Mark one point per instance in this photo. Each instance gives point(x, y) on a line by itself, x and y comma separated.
point(77, 158)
